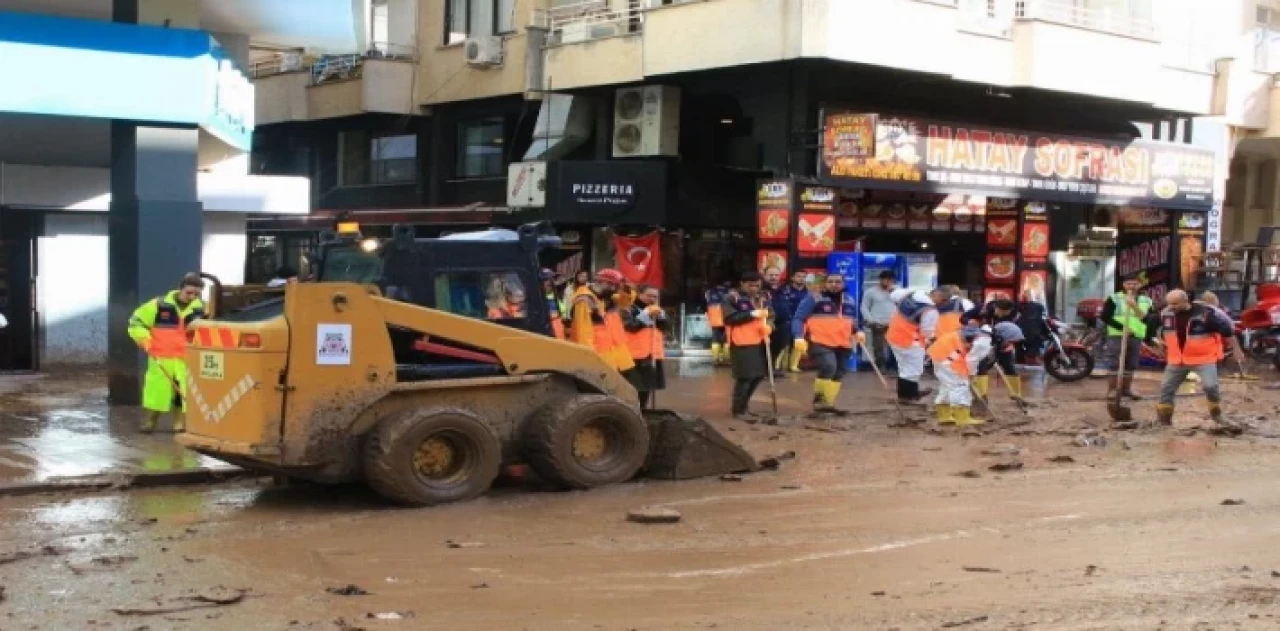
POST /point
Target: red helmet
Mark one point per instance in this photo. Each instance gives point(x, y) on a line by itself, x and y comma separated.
point(608, 275)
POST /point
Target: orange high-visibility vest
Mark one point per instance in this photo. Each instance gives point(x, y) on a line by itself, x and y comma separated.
point(752, 333)
point(952, 350)
point(950, 314)
point(831, 324)
point(904, 326)
point(604, 338)
point(646, 342)
point(1202, 346)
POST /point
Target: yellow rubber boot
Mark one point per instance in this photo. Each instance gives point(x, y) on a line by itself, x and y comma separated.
point(944, 414)
point(833, 391)
point(963, 419)
point(1014, 383)
point(717, 353)
point(820, 393)
point(1164, 414)
point(793, 362)
point(982, 385)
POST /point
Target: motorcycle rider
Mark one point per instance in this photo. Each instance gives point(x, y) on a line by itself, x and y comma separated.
point(1192, 336)
point(1126, 308)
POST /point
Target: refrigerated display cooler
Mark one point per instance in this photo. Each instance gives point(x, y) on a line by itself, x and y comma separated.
point(863, 269)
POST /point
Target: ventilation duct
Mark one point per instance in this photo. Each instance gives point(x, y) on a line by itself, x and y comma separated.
point(564, 124)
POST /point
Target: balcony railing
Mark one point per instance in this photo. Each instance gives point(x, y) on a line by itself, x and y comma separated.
point(593, 19)
point(1078, 13)
point(326, 68)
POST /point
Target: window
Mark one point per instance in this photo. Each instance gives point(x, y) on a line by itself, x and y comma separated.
point(350, 264)
point(482, 295)
point(480, 149)
point(368, 159)
point(477, 18)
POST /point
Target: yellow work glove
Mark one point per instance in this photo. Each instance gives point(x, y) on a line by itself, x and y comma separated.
point(801, 346)
point(760, 314)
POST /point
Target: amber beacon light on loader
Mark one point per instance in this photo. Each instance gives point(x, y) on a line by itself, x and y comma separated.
point(387, 370)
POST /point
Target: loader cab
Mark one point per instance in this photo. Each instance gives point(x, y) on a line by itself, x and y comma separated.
point(488, 274)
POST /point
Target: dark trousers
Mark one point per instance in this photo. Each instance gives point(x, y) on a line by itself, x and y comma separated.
point(742, 391)
point(832, 362)
point(780, 340)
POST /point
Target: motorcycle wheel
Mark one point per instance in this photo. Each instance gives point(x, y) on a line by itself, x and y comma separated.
point(1075, 365)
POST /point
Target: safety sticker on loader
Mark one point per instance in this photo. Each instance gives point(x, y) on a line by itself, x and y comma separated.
point(333, 344)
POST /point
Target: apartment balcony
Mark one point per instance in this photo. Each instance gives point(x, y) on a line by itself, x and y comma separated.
point(1046, 44)
point(291, 87)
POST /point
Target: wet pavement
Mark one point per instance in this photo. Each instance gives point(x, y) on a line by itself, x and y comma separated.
point(870, 526)
point(59, 427)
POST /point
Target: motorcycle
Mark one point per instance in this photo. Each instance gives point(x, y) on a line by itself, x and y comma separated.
point(1258, 328)
point(1066, 361)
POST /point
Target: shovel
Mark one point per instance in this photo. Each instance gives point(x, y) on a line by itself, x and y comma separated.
point(1022, 403)
point(1116, 409)
point(897, 406)
point(773, 387)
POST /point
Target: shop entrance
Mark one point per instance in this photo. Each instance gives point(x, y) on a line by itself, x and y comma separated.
point(18, 341)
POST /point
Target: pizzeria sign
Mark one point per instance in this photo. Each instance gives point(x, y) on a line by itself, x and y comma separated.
point(918, 154)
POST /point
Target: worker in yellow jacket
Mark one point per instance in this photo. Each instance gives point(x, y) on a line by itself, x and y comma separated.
point(159, 327)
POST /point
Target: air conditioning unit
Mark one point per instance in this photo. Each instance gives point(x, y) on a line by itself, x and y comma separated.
point(483, 51)
point(527, 185)
point(290, 62)
point(646, 121)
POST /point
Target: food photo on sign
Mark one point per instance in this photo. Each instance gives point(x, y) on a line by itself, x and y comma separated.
point(1035, 241)
point(1002, 233)
point(639, 259)
point(996, 293)
point(1000, 268)
point(816, 234)
point(766, 259)
point(1034, 285)
point(774, 226)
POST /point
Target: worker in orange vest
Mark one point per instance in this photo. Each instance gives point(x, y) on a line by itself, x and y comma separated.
point(593, 322)
point(911, 330)
point(749, 322)
point(826, 327)
point(646, 323)
point(951, 311)
point(715, 319)
point(956, 357)
point(508, 306)
point(1192, 335)
point(555, 308)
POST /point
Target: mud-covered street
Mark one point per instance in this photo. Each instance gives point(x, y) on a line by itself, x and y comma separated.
point(868, 526)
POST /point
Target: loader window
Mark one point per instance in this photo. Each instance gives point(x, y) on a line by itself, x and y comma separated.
point(482, 295)
point(350, 264)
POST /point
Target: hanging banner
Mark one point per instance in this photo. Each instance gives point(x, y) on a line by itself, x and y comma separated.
point(640, 258)
point(919, 154)
point(1146, 257)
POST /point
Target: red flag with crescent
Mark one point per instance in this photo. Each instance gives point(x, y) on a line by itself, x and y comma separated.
point(640, 258)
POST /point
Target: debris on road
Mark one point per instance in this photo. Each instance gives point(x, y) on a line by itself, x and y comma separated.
point(654, 515)
point(1125, 444)
point(1231, 502)
point(480, 586)
point(194, 602)
point(1274, 574)
point(1125, 425)
point(730, 477)
point(1090, 570)
point(962, 623)
point(23, 555)
point(343, 625)
point(1090, 440)
point(969, 474)
point(791, 487)
point(349, 590)
point(1006, 466)
point(2, 594)
point(1061, 459)
point(1003, 449)
point(773, 462)
point(877, 593)
point(975, 568)
point(457, 545)
point(389, 615)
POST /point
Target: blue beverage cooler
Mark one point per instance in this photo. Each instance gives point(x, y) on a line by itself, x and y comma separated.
point(863, 269)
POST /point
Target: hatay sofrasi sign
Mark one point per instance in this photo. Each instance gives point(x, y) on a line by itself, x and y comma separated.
point(919, 154)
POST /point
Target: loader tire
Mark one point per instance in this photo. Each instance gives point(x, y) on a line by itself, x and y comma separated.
point(586, 441)
point(432, 456)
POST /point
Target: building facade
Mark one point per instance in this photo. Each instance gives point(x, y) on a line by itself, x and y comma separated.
point(509, 110)
point(125, 130)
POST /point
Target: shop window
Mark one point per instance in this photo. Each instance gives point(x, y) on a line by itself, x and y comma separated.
point(481, 149)
point(483, 295)
point(366, 159)
point(477, 18)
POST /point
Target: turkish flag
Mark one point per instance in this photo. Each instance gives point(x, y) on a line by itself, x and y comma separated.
point(640, 258)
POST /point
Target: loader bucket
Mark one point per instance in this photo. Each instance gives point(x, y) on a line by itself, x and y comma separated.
point(681, 448)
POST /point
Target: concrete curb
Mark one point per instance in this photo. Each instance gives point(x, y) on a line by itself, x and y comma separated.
point(121, 481)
